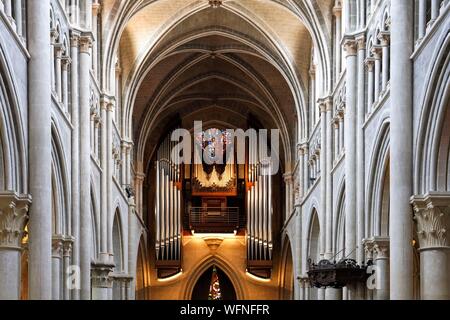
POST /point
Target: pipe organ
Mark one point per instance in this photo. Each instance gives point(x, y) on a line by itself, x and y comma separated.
point(259, 213)
point(168, 211)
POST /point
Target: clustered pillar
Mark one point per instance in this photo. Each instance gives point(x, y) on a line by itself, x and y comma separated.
point(13, 219)
point(432, 216)
point(401, 155)
point(40, 142)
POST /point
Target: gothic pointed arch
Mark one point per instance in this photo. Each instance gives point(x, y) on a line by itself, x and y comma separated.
point(118, 247)
point(60, 186)
point(142, 273)
point(207, 264)
point(378, 184)
point(339, 224)
point(432, 168)
point(287, 273)
point(13, 167)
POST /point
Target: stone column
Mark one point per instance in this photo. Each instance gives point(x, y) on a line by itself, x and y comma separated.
point(18, 17)
point(105, 156)
point(288, 180)
point(74, 44)
point(370, 83)
point(8, 8)
point(40, 150)
point(58, 69)
point(133, 246)
point(360, 159)
point(97, 127)
point(432, 216)
point(321, 294)
point(304, 286)
point(341, 131)
point(333, 294)
point(324, 236)
point(123, 172)
point(13, 218)
point(312, 79)
point(350, 146)
point(95, 12)
point(401, 168)
point(139, 185)
point(336, 138)
point(350, 152)
point(368, 249)
point(381, 252)
point(101, 281)
point(57, 247)
point(65, 81)
point(328, 181)
point(305, 168)
point(434, 10)
point(384, 38)
point(376, 50)
point(110, 174)
point(297, 256)
point(422, 18)
point(67, 253)
point(337, 11)
point(85, 172)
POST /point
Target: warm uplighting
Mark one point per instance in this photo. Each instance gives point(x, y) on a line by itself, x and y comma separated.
point(252, 276)
point(214, 235)
point(172, 278)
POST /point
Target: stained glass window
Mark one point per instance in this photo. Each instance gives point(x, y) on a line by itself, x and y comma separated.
point(214, 139)
point(214, 288)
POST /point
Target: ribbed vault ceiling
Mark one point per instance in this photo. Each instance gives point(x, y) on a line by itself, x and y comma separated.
point(185, 58)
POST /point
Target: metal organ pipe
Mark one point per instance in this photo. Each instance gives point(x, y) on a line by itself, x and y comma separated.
point(270, 211)
point(167, 204)
point(157, 208)
point(259, 205)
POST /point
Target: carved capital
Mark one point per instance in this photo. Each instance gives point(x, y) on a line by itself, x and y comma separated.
point(370, 64)
point(381, 247)
point(100, 274)
point(57, 246)
point(368, 248)
point(67, 246)
point(107, 103)
point(300, 150)
point(384, 37)
point(66, 61)
point(288, 177)
point(377, 248)
point(350, 46)
point(122, 278)
point(74, 40)
point(85, 43)
point(96, 8)
point(322, 105)
point(432, 216)
point(337, 10)
point(54, 34)
point(361, 42)
point(13, 219)
point(328, 104)
point(377, 52)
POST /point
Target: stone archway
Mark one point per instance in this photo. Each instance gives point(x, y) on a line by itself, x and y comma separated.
point(202, 287)
point(287, 284)
point(206, 265)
